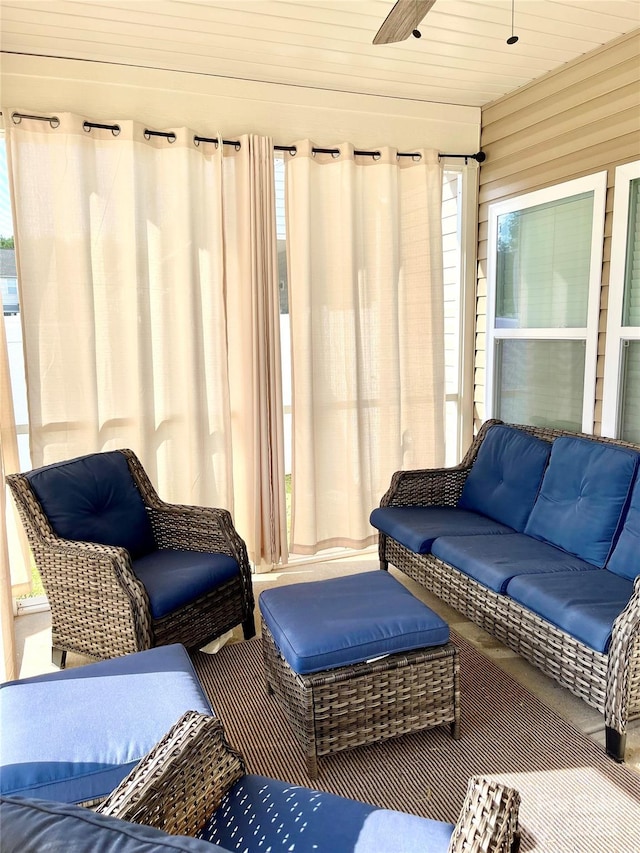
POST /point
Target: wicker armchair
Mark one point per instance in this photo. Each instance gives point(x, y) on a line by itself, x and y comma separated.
point(123, 570)
point(182, 782)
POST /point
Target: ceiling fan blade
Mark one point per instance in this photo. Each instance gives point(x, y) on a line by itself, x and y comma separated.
point(402, 20)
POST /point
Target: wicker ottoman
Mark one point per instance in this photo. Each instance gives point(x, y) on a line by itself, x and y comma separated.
point(355, 660)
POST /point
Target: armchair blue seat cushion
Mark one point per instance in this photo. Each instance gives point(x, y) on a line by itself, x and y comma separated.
point(505, 478)
point(33, 826)
point(325, 624)
point(267, 814)
point(73, 735)
point(94, 499)
point(173, 578)
point(494, 560)
point(625, 557)
point(416, 527)
point(584, 605)
point(584, 492)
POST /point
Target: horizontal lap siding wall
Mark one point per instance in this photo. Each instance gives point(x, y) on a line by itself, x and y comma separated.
point(580, 119)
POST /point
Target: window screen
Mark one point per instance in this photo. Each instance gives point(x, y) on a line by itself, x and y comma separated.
point(540, 382)
point(543, 259)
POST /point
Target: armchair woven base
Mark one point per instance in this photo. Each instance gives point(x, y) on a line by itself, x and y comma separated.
point(365, 702)
point(207, 617)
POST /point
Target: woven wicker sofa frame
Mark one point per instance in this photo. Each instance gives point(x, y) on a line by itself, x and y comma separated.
point(182, 781)
point(101, 610)
point(609, 682)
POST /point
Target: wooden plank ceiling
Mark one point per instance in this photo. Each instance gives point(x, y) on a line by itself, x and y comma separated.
point(462, 57)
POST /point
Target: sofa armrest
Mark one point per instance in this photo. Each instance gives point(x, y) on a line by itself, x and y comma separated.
point(182, 781)
point(427, 487)
point(623, 673)
point(488, 820)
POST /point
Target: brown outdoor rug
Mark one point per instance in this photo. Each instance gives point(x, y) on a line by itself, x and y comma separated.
point(574, 798)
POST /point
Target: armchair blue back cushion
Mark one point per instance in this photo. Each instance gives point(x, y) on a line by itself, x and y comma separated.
point(505, 478)
point(94, 499)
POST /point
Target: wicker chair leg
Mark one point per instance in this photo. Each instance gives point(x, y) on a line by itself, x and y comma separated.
point(249, 628)
point(616, 743)
point(58, 657)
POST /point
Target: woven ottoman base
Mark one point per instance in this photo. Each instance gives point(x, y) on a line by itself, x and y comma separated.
point(365, 702)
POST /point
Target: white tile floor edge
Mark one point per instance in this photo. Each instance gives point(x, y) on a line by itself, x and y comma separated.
point(33, 642)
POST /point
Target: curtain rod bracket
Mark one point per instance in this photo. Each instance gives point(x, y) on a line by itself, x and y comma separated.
point(480, 157)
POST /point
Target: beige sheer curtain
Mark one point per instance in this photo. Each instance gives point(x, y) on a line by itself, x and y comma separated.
point(364, 238)
point(11, 555)
point(129, 245)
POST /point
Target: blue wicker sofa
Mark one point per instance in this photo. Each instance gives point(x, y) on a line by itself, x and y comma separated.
point(535, 536)
point(192, 793)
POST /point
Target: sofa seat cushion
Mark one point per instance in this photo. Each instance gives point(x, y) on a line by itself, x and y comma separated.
point(584, 605)
point(265, 814)
point(494, 560)
point(34, 826)
point(320, 625)
point(625, 557)
point(505, 478)
point(583, 494)
point(174, 578)
point(94, 499)
point(73, 735)
point(416, 527)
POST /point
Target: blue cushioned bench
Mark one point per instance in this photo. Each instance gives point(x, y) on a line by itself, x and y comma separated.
point(357, 659)
point(536, 537)
point(72, 736)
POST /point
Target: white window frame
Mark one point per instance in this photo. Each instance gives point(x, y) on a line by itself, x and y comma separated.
point(616, 332)
point(467, 230)
point(596, 183)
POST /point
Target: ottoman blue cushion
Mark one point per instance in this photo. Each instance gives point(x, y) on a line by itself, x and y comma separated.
point(35, 826)
point(583, 494)
point(584, 605)
point(330, 623)
point(173, 578)
point(265, 814)
point(73, 735)
point(416, 527)
point(494, 560)
point(625, 557)
point(505, 478)
point(94, 499)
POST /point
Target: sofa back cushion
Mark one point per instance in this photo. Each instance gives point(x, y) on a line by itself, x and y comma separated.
point(31, 826)
point(94, 499)
point(584, 492)
point(505, 478)
point(625, 557)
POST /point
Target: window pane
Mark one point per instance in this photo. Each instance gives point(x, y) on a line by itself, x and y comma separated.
point(540, 382)
point(631, 307)
point(543, 261)
point(630, 392)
